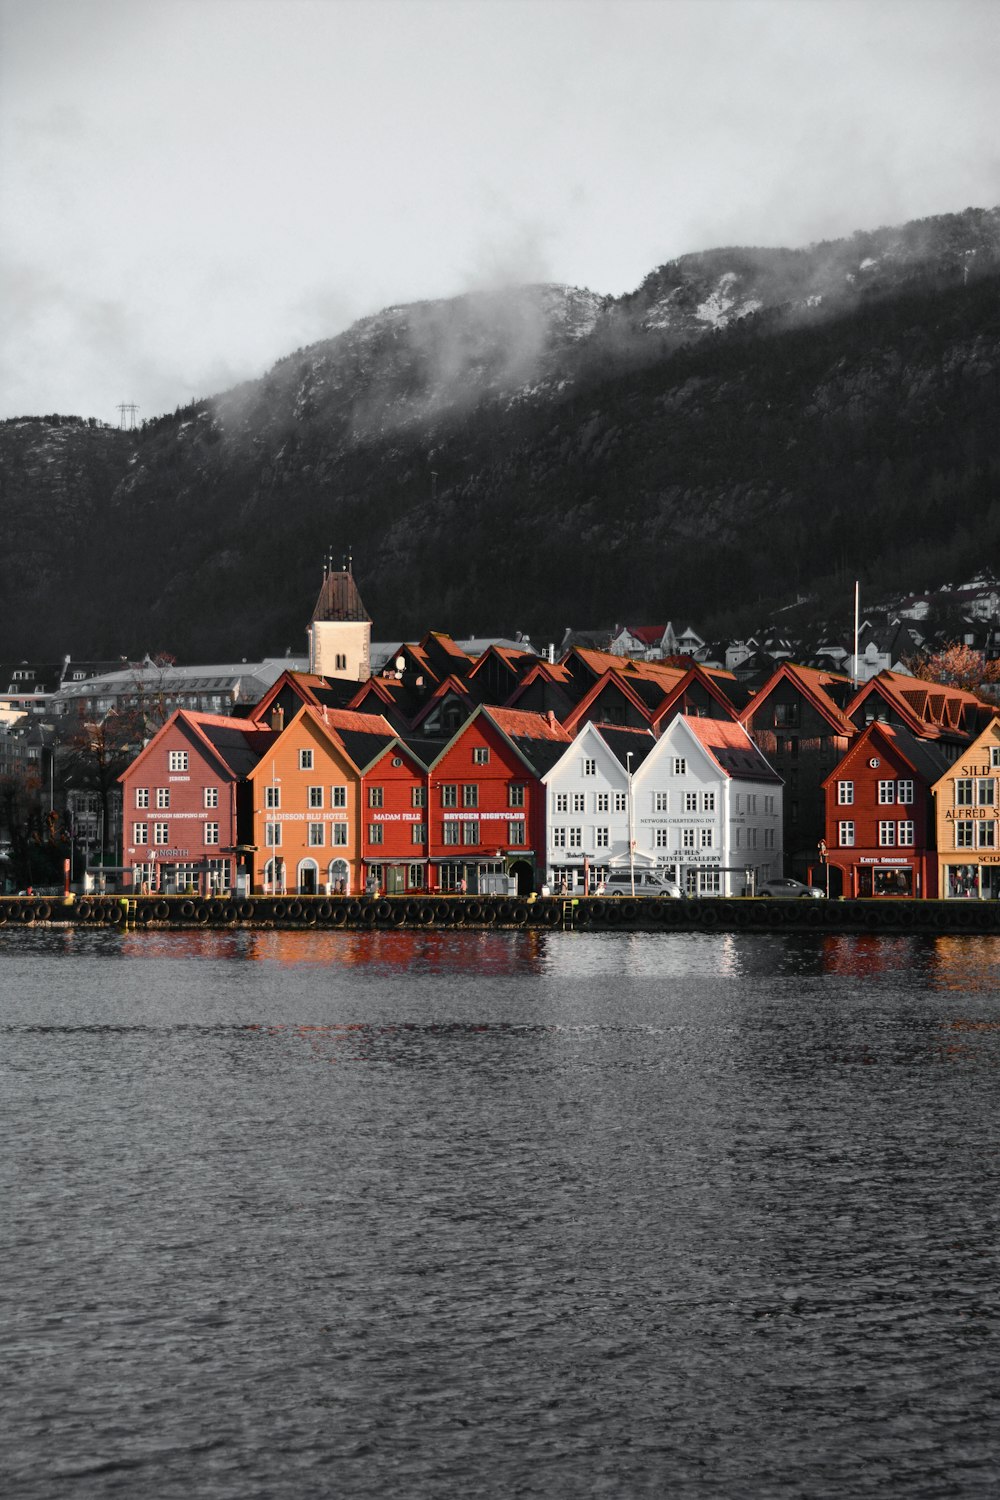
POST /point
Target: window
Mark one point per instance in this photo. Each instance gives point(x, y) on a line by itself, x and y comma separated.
point(904, 792)
point(575, 838)
point(963, 792)
point(752, 803)
point(470, 795)
point(418, 796)
point(845, 793)
point(470, 831)
point(449, 795)
point(661, 803)
point(602, 802)
point(886, 792)
point(315, 834)
point(339, 664)
point(751, 838)
point(415, 877)
point(987, 831)
point(786, 715)
point(177, 760)
point(679, 765)
point(964, 835)
point(985, 791)
point(516, 831)
point(886, 835)
point(769, 842)
point(708, 802)
point(590, 767)
point(579, 802)
point(418, 833)
point(305, 760)
point(450, 833)
point(375, 798)
point(706, 838)
point(515, 794)
point(558, 838)
point(602, 838)
point(272, 835)
point(161, 834)
point(480, 755)
point(621, 801)
point(768, 806)
point(845, 835)
point(375, 833)
point(338, 796)
point(663, 838)
point(211, 833)
point(142, 796)
point(995, 755)
point(163, 796)
point(315, 796)
point(562, 802)
point(140, 833)
point(211, 796)
point(339, 831)
point(687, 838)
point(272, 795)
point(906, 834)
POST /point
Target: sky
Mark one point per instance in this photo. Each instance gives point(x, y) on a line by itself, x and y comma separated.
point(192, 189)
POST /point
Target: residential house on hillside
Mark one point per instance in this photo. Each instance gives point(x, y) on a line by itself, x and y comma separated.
point(880, 834)
point(188, 818)
point(967, 810)
point(798, 722)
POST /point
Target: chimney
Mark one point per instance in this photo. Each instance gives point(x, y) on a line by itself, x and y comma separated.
point(277, 719)
point(550, 715)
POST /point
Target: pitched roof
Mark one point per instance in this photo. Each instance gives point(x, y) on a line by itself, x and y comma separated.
point(539, 738)
point(924, 756)
point(339, 599)
point(732, 749)
point(815, 685)
point(362, 737)
point(624, 742)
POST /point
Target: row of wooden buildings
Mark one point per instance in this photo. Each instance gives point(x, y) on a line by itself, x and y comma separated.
point(446, 771)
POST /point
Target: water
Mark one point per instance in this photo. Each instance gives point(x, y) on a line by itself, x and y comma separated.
point(460, 1214)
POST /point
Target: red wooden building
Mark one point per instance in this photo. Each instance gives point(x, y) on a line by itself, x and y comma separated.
point(486, 802)
point(187, 815)
point(880, 831)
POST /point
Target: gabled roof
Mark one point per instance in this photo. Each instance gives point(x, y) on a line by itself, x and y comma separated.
point(362, 737)
point(235, 746)
point(449, 687)
point(635, 689)
point(923, 757)
point(636, 743)
point(538, 738)
point(732, 749)
point(307, 687)
point(815, 686)
point(928, 708)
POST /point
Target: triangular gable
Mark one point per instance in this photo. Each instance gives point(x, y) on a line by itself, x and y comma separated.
point(607, 743)
point(922, 757)
point(810, 683)
point(188, 721)
point(450, 686)
point(612, 678)
point(695, 673)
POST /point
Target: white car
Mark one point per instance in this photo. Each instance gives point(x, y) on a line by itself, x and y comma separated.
point(792, 890)
point(647, 883)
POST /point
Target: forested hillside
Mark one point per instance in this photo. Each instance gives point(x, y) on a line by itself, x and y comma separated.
point(543, 458)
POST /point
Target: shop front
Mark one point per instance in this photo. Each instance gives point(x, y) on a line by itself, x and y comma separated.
point(980, 880)
point(883, 875)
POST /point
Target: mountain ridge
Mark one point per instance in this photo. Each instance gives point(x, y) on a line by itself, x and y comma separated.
point(538, 456)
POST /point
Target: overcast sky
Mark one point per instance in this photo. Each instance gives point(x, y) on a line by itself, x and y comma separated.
point(191, 189)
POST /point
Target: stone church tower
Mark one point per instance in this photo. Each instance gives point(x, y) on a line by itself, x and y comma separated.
point(340, 632)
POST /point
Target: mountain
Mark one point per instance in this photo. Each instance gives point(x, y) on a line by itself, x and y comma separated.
point(748, 424)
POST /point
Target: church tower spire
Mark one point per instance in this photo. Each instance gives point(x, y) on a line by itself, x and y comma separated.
point(340, 630)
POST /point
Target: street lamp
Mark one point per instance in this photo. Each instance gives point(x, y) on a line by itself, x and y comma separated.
point(631, 836)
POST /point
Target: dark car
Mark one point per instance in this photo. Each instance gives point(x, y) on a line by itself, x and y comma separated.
point(792, 890)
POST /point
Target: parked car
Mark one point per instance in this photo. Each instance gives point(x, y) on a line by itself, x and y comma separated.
point(647, 883)
point(791, 889)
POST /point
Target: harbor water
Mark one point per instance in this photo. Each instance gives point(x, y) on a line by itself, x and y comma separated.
point(441, 1213)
